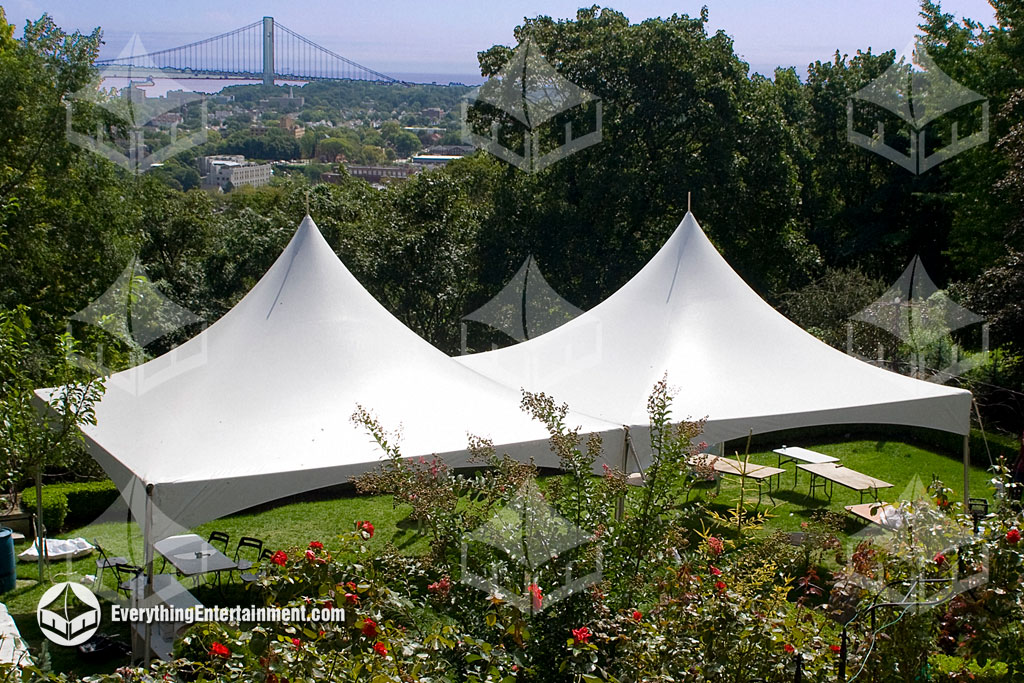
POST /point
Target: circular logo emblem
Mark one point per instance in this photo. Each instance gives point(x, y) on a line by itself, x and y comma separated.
point(68, 614)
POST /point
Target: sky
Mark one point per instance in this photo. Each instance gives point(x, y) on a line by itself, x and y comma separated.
point(403, 37)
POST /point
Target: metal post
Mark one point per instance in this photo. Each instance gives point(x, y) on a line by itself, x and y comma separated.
point(148, 591)
point(842, 657)
point(967, 468)
point(799, 677)
point(620, 506)
point(462, 338)
point(268, 50)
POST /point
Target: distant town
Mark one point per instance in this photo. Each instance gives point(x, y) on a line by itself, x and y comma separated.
point(378, 132)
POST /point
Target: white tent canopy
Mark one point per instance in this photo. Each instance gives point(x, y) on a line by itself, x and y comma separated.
point(733, 358)
point(258, 406)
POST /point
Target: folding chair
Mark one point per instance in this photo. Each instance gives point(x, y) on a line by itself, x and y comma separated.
point(126, 575)
point(220, 537)
point(104, 562)
point(249, 576)
point(247, 542)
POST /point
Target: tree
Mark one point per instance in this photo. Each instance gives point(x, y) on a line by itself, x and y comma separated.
point(38, 433)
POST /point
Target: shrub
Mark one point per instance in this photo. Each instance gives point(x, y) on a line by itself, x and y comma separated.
point(70, 505)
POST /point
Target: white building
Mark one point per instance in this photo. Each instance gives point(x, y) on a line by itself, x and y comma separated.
point(218, 171)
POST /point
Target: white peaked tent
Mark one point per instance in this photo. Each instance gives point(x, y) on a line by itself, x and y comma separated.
point(732, 357)
point(258, 406)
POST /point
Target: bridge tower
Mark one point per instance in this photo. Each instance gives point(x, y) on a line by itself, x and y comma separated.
point(268, 50)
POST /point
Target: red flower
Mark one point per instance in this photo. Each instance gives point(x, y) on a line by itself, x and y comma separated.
point(380, 648)
point(352, 597)
point(279, 558)
point(296, 642)
point(351, 586)
point(637, 615)
point(365, 528)
point(939, 559)
point(370, 628)
point(219, 650)
point(789, 649)
point(581, 634)
point(715, 545)
point(442, 586)
point(310, 555)
point(715, 571)
point(720, 586)
point(538, 597)
point(329, 604)
point(836, 649)
point(316, 545)
point(1013, 536)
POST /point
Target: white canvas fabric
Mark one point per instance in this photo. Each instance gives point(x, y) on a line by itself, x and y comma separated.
point(731, 357)
point(258, 406)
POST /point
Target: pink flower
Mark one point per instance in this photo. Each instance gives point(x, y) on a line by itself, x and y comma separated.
point(279, 558)
point(219, 650)
point(702, 446)
point(581, 634)
point(310, 555)
point(296, 642)
point(715, 571)
point(441, 587)
point(1013, 536)
point(370, 628)
point(380, 648)
point(538, 598)
point(715, 545)
point(789, 649)
point(637, 615)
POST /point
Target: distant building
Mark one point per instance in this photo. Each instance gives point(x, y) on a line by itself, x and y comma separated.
point(434, 159)
point(171, 118)
point(379, 175)
point(233, 169)
point(433, 113)
point(450, 150)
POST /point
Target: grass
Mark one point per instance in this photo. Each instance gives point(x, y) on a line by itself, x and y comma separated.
point(322, 516)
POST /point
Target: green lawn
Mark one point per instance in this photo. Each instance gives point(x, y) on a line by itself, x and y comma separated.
point(323, 518)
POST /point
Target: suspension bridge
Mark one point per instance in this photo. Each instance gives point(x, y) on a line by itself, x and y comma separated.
point(264, 50)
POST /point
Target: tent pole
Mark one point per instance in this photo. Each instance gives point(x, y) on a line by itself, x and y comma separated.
point(148, 591)
point(967, 469)
point(620, 505)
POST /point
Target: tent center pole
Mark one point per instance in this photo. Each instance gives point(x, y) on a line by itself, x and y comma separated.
point(148, 591)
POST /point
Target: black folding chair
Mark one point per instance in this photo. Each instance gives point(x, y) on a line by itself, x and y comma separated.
point(220, 537)
point(104, 562)
point(247, 542)
point(126, 575)
point(250, 576)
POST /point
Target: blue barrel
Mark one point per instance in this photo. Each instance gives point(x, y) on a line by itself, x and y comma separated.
point(8, 574)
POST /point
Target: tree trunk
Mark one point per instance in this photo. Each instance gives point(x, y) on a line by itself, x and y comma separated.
point(40, 528)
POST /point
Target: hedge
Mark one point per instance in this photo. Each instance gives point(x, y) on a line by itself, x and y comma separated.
point(71, 505)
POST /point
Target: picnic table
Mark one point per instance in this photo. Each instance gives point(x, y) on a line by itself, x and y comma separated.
point(192, 556)
point(833, 473)
point(794, 453)
point(727, 466)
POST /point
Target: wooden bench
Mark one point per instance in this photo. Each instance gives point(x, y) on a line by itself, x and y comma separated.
point(728, 466)
point(794, 453)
